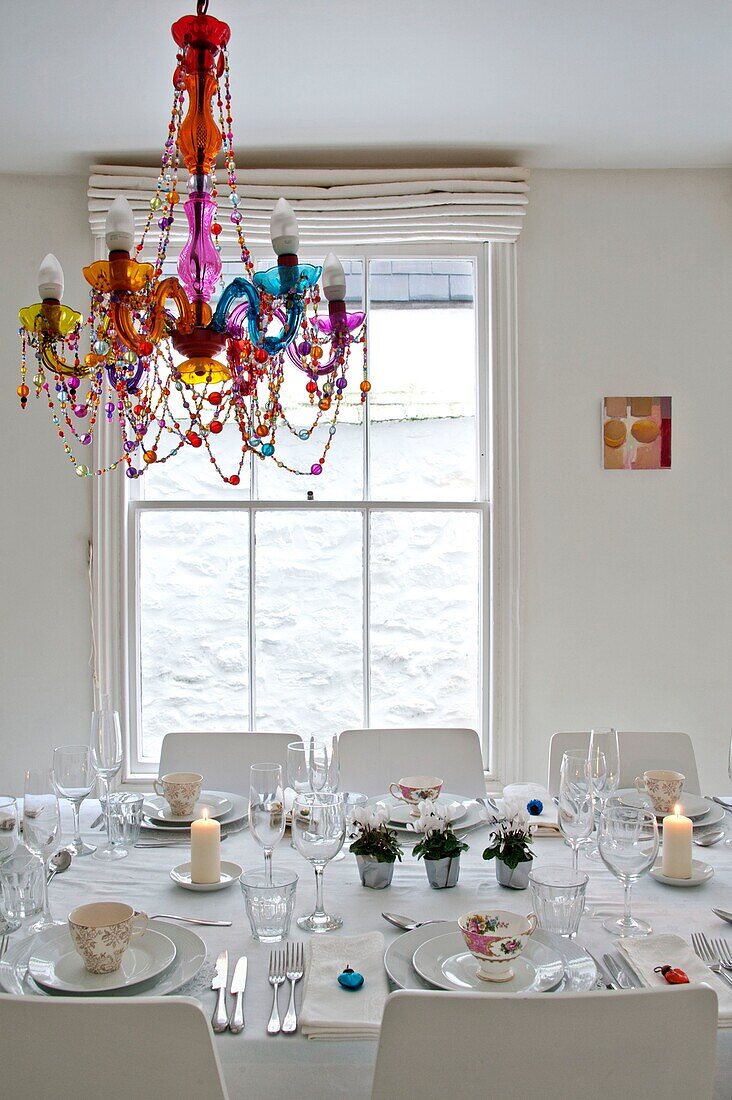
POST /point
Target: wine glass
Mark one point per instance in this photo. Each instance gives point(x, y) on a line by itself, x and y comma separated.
point(319, 830)
point(628, 843)
point(266, 810)
point(8, 827)
point(73, 779)
point(298, 767)
point(599, 777)
point(605, 741)
point(106, 758)
point(41, 831)
point(575, 808)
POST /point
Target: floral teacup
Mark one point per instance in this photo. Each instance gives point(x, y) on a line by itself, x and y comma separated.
point(495, 939)
point(662, 787)
point(414, 789)
point(181, 790)
point(101, 933)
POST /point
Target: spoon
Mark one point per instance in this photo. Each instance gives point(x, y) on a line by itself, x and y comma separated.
point(706, 840)
point(60, 862)
point(406, 923)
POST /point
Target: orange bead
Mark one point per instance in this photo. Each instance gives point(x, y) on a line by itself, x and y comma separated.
point(324, 404)
point(150, 456)
point(22, 391)
point(365, 387)
point(261, 431)
point(173, 197)
point(316, 353)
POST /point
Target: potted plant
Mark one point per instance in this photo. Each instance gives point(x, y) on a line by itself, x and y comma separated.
point(376, 846)
point(439, 847)
point(511, 848)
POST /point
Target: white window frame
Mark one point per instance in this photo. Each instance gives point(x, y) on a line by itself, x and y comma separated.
point(116, 524)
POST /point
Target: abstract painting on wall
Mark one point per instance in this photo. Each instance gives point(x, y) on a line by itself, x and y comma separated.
point(637, 433)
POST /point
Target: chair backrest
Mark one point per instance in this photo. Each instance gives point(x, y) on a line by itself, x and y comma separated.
point(372, 759)
point(638, 753)
point(53, 1047)
point(562, 1046)
point(224, 759)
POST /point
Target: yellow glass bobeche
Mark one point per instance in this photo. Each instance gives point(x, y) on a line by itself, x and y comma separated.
point(50, 318)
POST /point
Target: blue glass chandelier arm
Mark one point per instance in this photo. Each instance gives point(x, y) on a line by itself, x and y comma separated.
point(234, 292)
point(281, 281)
point(228, 317)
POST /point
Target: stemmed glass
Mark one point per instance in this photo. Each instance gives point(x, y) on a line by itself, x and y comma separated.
point(605, 741)
point(575, 810)
point(41, 831)
point(73, 778)
point(599, 776)
point(266, 810)
point(628, 843)
point(313, 766)
point(8, 827)
point(106, 758)
point(319, 830)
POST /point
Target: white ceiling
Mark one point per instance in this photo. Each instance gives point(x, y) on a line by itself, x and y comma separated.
point(551, 83)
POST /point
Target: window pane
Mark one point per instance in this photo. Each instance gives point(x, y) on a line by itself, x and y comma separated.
point(425, 618)
point(342, 476)
point(194, 612)
point(422, 368)
point(309, 621)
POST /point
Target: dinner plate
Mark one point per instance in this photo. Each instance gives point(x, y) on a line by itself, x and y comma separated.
point(157, 809)
point(400, 813)
point(700, 872)
point(579, 970)
point(692, 805)
point(446, 963)
point(189, 958)
point(238, 813)
point(56, 964)
point(230, 872)
point(472, 816)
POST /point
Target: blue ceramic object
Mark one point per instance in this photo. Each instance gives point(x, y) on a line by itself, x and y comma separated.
point(350, 979)
point(535, 807)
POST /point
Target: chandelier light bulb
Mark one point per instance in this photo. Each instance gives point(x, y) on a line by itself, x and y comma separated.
point(50, 279)
point(334, 278)
point(283, 229)
point(120, 227)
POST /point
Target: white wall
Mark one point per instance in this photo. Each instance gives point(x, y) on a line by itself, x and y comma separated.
point(45, 694)
point(626, 288)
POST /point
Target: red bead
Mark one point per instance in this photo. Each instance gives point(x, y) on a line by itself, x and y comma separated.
point(146, 347)
point(193, 439)
point(215, 427)
point(215, 398)
point(260, 355)
point(215, 229)
point(312, 387)
point(234, 479)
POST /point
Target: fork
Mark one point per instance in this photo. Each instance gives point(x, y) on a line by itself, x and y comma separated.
point(708, 955)
point(294, 972)
point(276, 978)
point(724, 953)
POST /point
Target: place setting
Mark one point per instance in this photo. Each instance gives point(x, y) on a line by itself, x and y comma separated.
point(403, 799)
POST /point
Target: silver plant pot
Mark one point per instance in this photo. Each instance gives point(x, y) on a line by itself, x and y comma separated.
point(443, 873)
point(375, 875)
point(516, 879)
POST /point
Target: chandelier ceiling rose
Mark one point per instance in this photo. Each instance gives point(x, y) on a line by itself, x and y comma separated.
point(164, 368)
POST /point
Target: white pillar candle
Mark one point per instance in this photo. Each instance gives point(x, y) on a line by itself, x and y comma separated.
point(677, 834)
point(205, 850)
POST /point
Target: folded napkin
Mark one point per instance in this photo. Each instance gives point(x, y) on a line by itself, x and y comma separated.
point(520, 794)
point(645, 953)
point(330, 1012)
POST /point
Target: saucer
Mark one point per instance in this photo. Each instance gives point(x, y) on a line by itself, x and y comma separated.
point(445, 962)
point(55, 963)
point(157, 809)
point(401, 812)
point(700, 872)
point(692, 805)
point(181, 876)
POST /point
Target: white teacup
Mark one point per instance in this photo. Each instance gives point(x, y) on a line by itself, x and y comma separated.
point(101, 932)
point(181, 790)
point(662, 787)
point(414, 789)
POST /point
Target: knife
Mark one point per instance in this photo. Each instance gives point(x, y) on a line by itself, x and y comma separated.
point(602, 973)
point(238, 985)
point(220, 1018)
point(723, 914)
point(621, 976)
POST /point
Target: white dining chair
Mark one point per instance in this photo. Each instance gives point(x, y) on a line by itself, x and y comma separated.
point(224, 759)
point(54, 1048)
point(639, 752)
point(371, 759)
point(564, 1046)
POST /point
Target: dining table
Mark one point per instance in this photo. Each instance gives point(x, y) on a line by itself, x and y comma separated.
point(255, 1063)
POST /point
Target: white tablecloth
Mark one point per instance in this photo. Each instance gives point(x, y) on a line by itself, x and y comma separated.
point(290, 1065)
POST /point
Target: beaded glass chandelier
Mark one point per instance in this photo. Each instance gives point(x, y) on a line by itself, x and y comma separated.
point(234, 357)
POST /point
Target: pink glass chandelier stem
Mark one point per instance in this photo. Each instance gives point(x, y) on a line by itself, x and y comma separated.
point(199, 264)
